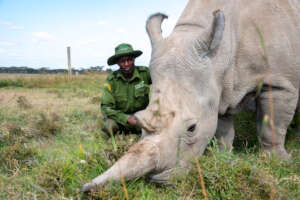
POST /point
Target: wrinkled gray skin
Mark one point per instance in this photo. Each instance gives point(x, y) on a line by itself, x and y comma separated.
point(206, 71)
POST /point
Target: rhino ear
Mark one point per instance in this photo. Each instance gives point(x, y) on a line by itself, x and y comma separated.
point(217, 32)
point(153, 27)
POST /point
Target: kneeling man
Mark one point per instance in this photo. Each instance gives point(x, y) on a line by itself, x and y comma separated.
point(126, 92)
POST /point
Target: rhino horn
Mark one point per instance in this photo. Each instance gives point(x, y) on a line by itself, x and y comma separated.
point(217, 31)
point(153, 27)
point(140, 159)
point(143, 118)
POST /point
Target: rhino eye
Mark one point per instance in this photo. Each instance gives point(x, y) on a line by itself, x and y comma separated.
point(192, 128)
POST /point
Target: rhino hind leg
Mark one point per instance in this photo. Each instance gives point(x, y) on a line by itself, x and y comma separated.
point(225, 132)
point(282, 106)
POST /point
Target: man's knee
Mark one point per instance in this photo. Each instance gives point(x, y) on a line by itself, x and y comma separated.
point(109, 126)
point(133, 129)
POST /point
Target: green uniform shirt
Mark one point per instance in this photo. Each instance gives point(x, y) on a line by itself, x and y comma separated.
point(123, 97)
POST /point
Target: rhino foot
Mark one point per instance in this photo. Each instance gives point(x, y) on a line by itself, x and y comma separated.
point(280, 153)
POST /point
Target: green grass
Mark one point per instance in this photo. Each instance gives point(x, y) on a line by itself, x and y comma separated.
point(51, 144)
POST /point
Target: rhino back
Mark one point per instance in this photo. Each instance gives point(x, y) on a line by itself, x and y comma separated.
point(260, 42)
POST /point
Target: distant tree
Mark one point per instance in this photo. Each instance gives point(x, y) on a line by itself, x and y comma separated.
point(109, 70)
point(45, 70)
point(96, 68)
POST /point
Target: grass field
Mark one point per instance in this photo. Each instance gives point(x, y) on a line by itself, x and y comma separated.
point(51, 144)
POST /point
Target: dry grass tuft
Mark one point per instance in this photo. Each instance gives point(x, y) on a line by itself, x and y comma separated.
point(15, 153)
point(49, 125)
point(17, 157)
point(23, 102)
point(55, 176)
point(11, 134)
point(95, 100)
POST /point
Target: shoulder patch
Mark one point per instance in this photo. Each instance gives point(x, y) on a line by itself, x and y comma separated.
point(107, 86)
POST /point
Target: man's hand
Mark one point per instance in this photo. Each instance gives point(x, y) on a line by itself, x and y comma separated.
point(131, 120)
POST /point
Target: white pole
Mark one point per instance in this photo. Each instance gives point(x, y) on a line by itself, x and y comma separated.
point(69, 61)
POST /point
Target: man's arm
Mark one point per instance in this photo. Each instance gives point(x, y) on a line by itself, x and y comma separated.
point(108, 107)
point(149, 77)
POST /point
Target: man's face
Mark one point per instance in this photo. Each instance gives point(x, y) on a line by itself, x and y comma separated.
point(126, 64)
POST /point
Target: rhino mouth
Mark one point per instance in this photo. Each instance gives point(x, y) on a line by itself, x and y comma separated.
point(163, 177)
point(166, 177)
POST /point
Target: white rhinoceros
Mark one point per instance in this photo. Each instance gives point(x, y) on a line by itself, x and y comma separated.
point(217, 57)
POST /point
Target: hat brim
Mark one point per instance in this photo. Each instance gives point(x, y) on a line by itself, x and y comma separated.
point(113, 59)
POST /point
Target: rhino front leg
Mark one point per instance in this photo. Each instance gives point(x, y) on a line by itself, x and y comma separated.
point(297, 118)
point(281, 107)
point(225, 132)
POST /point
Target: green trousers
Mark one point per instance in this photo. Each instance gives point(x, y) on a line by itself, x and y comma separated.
point(111, 127)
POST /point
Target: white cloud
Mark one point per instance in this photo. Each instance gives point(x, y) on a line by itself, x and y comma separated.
point(11, 25)
point(120, 30)
point(4, 43)
point(42, 36)
point(6, 23)
point(2, 50)
point(88, 41)
point(102, 22)
point(17, 27)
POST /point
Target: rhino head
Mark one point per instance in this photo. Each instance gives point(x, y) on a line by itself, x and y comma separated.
point(182, 114)
point(183, 110)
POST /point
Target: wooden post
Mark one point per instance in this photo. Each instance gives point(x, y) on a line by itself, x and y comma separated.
point(69, 62)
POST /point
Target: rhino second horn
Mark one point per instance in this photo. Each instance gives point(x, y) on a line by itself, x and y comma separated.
point(142, 117)
point(153, 27)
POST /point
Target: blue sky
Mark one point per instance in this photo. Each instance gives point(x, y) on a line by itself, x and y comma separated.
point(35, 33)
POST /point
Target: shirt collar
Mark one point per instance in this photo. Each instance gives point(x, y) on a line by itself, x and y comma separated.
point(135, 75)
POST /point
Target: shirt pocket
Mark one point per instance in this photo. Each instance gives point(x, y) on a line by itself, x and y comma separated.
point(141, 90)
point(121, 102)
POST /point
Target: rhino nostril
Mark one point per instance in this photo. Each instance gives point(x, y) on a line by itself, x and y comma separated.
point(192, 128)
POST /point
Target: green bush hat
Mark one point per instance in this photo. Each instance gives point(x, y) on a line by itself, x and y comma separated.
point(123, 50)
